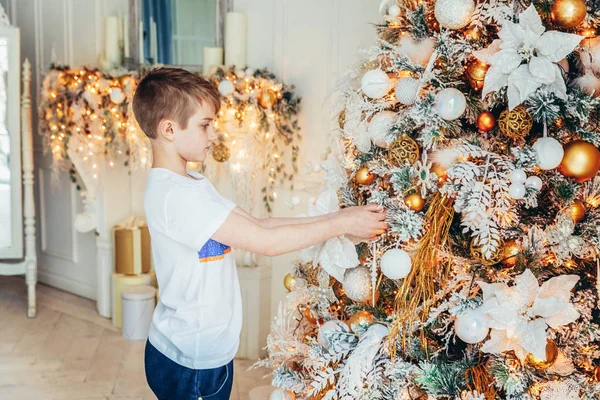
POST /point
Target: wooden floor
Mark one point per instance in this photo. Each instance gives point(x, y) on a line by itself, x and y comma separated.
point(69, 352)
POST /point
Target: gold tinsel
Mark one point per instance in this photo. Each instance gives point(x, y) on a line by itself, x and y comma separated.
point(479, 379)
point(413, 299)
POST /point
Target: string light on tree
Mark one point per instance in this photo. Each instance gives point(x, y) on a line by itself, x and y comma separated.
point(486, 121)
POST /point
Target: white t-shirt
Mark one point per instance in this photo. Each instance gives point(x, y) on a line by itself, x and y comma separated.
point(198, 321)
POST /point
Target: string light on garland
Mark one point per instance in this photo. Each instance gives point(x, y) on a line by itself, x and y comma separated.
point(568, 14)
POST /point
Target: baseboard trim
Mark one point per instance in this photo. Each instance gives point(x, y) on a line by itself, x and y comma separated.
point(68, 285)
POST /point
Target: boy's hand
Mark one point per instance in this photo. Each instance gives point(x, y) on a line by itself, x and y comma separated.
point(364, 222)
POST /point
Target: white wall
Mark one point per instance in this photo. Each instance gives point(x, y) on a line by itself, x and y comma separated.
point(307, 43)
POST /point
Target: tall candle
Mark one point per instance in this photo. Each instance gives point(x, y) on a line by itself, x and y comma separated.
point(141, 43)
point(236, 38)
point(212, 56)
point(112, 50)
point(153, 41)
point(126, 36)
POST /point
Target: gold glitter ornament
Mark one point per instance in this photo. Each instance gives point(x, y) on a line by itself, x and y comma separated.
point(360, 319)
point(221, 153)
point(477, 254)
point(515, 123)
point(403, 150)
point(568, 14)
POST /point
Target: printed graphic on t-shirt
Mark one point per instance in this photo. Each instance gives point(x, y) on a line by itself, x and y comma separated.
point(213, 251)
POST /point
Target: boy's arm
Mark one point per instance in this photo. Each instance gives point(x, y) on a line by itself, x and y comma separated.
point(269, 223)
point(241, 232)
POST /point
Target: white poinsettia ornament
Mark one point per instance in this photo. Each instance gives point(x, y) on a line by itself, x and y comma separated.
point(519, 315)
point(563, 244)
point(525, 58)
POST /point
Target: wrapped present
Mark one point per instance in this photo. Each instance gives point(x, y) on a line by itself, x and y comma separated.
point(120, 282)
point(133, 253)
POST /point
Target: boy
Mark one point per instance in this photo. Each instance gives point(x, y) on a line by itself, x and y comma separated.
point(196, 325)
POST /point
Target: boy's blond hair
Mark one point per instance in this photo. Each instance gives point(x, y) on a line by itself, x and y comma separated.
point(174, 93)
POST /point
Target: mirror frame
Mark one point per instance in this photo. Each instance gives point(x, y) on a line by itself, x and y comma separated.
point(223, 6)
point(13, 124)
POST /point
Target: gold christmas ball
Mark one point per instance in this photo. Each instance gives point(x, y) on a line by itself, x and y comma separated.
point(568, 14)
point(267, 98)
point(597, 373)
point(551, 356)
point(440, 172)
point(415, 202)
point(309, 315)
point(576, 211)
point(364, 176)
point(486, 121)
point(509, 252)
point(288, 282)
point(360, 318)
point(515, 124)
point(342, 119)
point(477, 254)
point(125, 79)
point(475, 74)
point(581, 161)
point(221, 153)
point(403, 150)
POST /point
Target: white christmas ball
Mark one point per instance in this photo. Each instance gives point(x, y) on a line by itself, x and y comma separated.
point(406, 91)
point(518, 176)
point(226, 88)
point(92, 98)
point(375, 84)
point(380, 126)
point(117, 96)
point(534, 182)
point(396, 264)
point(450, 104)
point(517, 191)
point(419, 52)
point(357, 284)
point(394, 11)
point(296, 201)
point(280, 394)
point(549, 151)
point(454, 14)
point(470, 327)
point(333, 325)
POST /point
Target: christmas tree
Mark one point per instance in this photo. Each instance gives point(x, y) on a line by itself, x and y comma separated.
point(476, 125)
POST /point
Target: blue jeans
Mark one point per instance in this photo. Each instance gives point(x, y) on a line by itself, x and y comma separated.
point(171, 381)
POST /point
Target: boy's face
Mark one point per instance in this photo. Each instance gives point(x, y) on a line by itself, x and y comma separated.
point(194, 142)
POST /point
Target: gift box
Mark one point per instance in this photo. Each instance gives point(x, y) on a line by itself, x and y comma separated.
point(133, 252)
point(120, 282)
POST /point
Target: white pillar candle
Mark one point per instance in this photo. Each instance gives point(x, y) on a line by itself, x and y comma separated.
point(126, 36)
point(141, 43)
point(112, 50)
point(153, 41)
point(236, 38)
point(212, 56)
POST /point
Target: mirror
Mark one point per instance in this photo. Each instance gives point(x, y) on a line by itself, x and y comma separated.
point(175, 32)
point(11, 216)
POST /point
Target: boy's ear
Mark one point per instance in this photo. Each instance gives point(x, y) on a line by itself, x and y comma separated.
point(166, 129)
